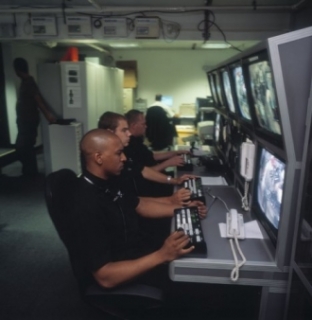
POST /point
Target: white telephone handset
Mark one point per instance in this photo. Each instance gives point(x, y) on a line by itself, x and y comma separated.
point(247, 160)
point(235, 225)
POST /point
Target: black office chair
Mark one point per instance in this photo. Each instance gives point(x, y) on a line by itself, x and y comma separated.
point(59, 195)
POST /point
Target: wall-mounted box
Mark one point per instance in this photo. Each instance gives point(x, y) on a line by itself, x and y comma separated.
point(147, 28)
point(43, 26)
point(115, 27)
point(78, 26)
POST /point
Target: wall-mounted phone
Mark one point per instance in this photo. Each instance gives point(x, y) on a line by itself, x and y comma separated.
point(235, 225)
point(247, 159)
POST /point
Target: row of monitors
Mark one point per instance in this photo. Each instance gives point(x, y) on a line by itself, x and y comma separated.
point(269, 178)
point(246, 90)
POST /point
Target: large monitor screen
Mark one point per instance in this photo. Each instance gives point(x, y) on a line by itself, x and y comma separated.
point(241, 94)
point(218, 88)
point(270, 187)
point(228, 90)
point(212, 84)
point(264, 96)
point(217, 128)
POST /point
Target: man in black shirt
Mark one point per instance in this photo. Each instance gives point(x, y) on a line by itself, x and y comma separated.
point(111, 250)
point(133, 170)
point(139, 152)
point(28, 103)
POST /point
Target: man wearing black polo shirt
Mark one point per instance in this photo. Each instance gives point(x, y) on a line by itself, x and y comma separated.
point(112, 251)
point(117, 124)
point(138, 152)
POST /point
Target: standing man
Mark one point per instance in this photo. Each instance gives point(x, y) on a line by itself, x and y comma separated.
point(159, 103)
point(28, 102)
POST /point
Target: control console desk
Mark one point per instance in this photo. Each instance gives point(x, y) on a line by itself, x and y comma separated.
point(259, 270)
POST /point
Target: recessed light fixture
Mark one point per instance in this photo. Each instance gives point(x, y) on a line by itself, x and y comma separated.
point(95, 4)
point(123, 45)
point(216, 45)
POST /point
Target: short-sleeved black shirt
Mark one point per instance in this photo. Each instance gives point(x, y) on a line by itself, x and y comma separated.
point(26, 105)
point(138, 152)
point(107, 224)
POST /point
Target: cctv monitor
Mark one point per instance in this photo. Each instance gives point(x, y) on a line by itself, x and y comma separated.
point(269, 186)
point(228, 91)
point(212, 86)
point(240, 92)
point(219, 88)
point(263, 97)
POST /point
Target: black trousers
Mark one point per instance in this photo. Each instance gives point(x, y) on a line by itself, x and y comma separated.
point(25, 146)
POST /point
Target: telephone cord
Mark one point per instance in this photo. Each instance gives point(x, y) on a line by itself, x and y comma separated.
point(235, 271)
point(245, 204)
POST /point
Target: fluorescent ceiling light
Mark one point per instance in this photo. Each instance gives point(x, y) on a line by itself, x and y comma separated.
point(96, 47)
point(215, 45)
point(95, 4)
point(123, 45)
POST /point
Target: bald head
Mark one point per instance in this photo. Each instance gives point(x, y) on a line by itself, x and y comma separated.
point(102, 152)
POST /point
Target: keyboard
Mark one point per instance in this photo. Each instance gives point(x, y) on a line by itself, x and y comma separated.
point(188, 219)
point(196, 187)
point(188, 165)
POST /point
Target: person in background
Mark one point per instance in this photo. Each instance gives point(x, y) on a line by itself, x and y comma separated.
point(159, 103)
point(28, 104)
point(160, 132)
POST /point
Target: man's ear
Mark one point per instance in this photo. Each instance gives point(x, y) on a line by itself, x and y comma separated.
point(98, 157)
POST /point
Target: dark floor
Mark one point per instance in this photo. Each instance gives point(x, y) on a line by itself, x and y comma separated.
point(36, 282)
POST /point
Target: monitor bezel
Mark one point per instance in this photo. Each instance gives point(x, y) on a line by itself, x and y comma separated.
point(262, 132)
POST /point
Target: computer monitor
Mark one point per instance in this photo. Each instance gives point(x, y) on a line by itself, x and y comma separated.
point(212, 86)
point(240, 92)
point(217, 128)
point(269, 186)
point(263, 97)
point(228, 91)
point(167, 100)
point(219, 88)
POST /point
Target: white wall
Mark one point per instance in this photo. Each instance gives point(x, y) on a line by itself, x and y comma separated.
point(178, 73)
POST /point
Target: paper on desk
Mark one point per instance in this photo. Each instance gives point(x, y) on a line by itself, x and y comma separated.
point(199, 152)
point(213, 181)
point(252, 230)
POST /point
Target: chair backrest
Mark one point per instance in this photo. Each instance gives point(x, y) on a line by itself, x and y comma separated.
point(59, 195)
point(60, 192)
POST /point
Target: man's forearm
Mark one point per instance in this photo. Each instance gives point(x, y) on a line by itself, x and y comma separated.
point(154, 175)
point(115, 273)
point(155, 209)
point(159, 156)
point(161, 166)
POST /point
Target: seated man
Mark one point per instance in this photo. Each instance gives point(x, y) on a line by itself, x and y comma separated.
point(138, 152)
point(117, 124)
point(112, 251)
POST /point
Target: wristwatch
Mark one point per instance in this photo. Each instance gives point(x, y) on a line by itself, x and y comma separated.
point(169, 179)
